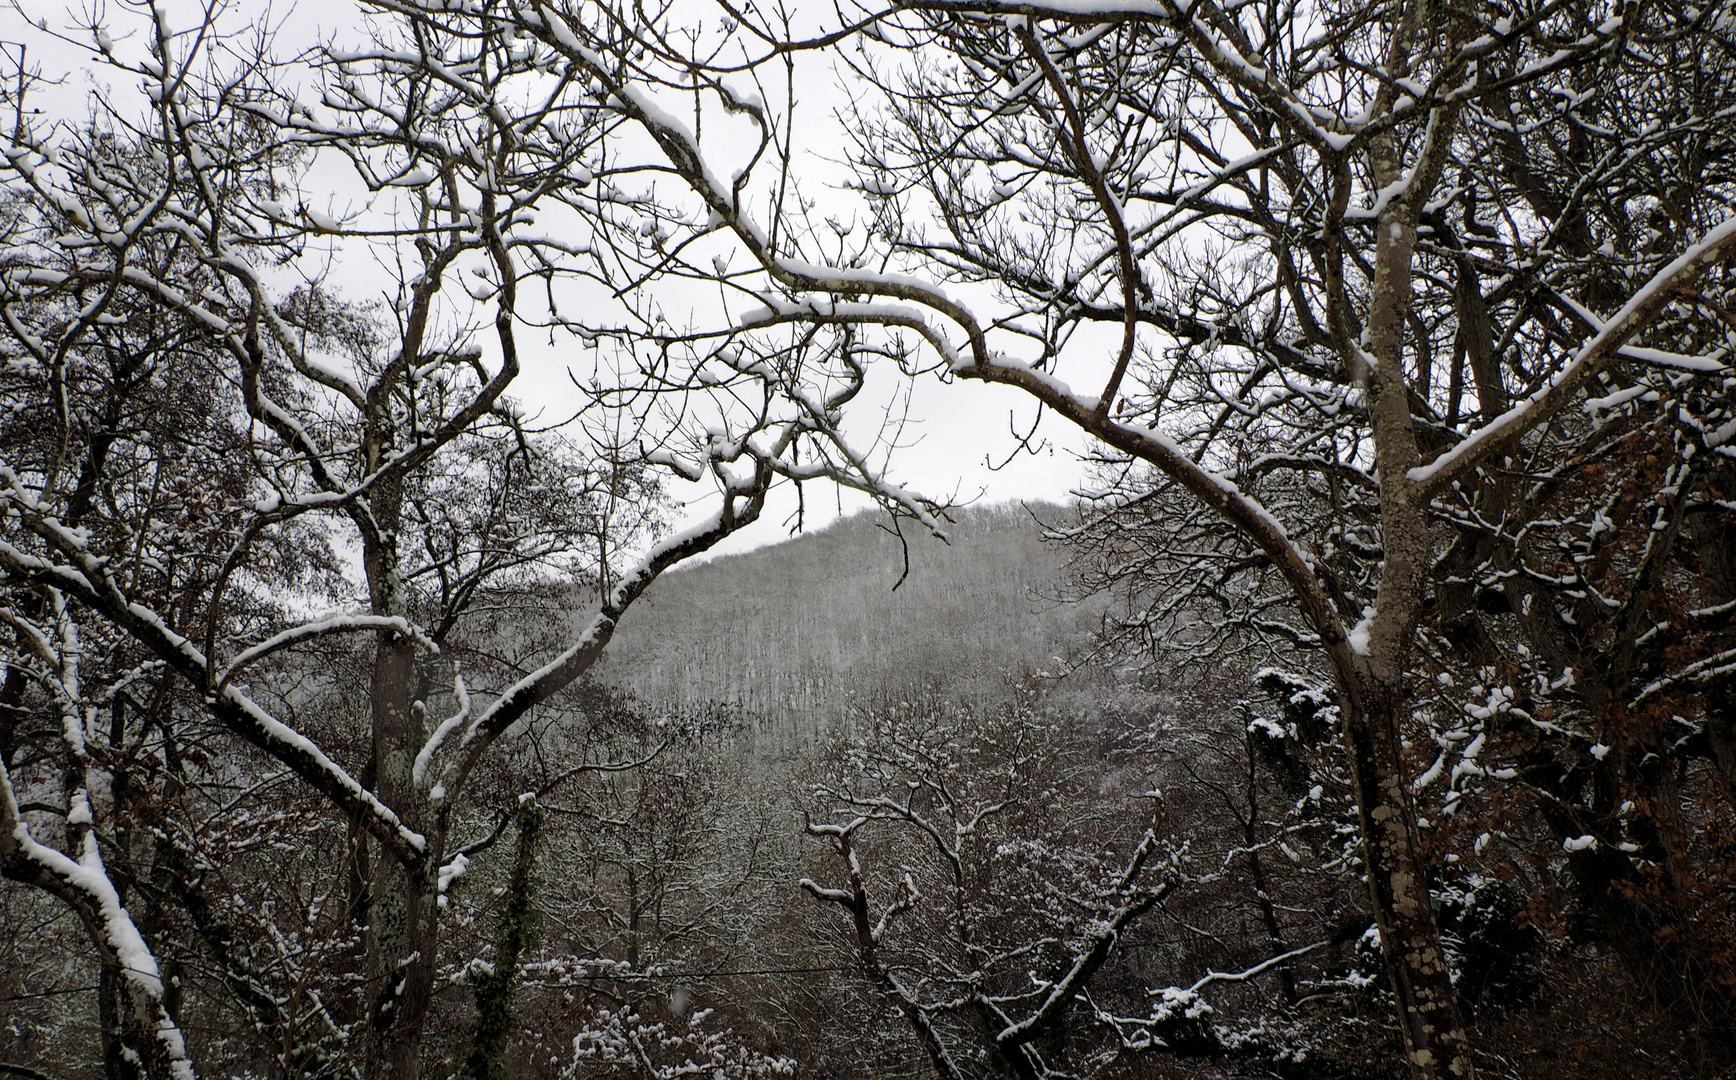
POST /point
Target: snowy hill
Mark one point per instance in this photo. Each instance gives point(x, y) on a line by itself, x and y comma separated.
point(800, 631)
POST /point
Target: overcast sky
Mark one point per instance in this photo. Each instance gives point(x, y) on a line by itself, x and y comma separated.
point(952, 435)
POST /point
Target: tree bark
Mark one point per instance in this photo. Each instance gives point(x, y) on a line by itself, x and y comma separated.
point(403, 927)
point(1435, 1040)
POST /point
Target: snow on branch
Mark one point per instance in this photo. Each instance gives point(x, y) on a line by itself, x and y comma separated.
point(1604, 346)
point(1263, 966)
point(88, 579)
point(742, 502)
point(460, 694)
point(243, 715)
point(1703, 671)
point(86, 882)
point(1100, 942)
point(335, 624)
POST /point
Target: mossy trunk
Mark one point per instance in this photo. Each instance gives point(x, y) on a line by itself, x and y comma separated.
point(518, 932)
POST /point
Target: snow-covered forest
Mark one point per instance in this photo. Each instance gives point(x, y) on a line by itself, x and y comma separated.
point(368, 708)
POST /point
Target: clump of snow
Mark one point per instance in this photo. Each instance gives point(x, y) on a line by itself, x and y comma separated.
point(1358, 636)
point(449, 873)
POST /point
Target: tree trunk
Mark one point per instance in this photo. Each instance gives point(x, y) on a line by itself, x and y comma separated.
point(1373, 674)
point(403, 931)
point(1435, 1041)
point(403, 915)
point(119, 1061)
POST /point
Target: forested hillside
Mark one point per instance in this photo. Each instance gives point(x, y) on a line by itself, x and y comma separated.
point(802, 632)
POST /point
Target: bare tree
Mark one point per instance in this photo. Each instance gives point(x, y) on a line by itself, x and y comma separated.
point(1282, 249)
point(986, 880)
point(196, 447)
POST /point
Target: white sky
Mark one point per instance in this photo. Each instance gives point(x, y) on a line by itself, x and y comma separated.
point(952, 432)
